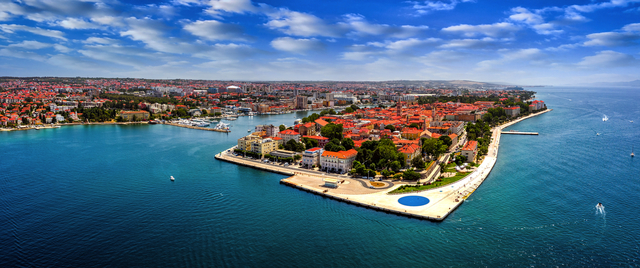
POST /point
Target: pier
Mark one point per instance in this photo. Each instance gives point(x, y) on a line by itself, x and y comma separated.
point(519, 133)
point(200, 128)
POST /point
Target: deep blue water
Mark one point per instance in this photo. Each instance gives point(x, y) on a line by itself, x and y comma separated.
point(95, 196)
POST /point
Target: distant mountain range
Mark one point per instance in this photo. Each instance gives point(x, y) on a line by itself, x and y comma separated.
point(635, 83)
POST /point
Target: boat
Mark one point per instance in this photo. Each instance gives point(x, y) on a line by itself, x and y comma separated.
point(632, 154)
point(249, 130)
point(605, 118)
point(153, 122)
point(222, 126)
point(172, 179)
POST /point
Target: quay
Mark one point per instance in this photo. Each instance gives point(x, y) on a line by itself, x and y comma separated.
point(519, 133)
point(200, 128)
point(442, 201)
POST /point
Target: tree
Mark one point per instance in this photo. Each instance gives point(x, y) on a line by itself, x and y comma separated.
point(282, 127)
point(348, 110)
point(354, 107)
point(348, 144)
point(332, 131)
point(395, 166)
point(414, 125)
point(411, 175)
point(293, 145)
point(460, 159)
point(386, 173)
point(25, 121)
point(390, 127)
point(417, 162)
point(334, 146)
point(446, 140)
point(309, 143)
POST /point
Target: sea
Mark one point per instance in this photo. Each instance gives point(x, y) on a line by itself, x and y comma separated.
point(101, 196)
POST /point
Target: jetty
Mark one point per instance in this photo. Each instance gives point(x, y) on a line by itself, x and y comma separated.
point(200, 128)
point(518, 133)
point(442, 201)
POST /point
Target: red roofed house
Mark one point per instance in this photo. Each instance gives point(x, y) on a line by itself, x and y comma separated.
point(289, 134)
point(339, 162)
point(410, 133)
point(321, 123)
point(308, 129)
point(512, 111)
point(411, 151)
point(470, 150)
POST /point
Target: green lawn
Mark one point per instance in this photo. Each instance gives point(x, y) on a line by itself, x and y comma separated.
point(443, 182)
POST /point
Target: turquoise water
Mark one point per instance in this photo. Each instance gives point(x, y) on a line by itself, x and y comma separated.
point(95, 196)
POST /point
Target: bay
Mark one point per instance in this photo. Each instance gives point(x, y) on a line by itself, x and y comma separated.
point(95, 196)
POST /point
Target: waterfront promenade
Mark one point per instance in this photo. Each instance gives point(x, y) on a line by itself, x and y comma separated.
point(442, 200)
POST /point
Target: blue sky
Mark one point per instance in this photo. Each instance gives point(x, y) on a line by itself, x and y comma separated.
point(525, 42)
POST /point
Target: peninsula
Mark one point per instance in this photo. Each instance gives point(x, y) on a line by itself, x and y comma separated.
point(420, 158)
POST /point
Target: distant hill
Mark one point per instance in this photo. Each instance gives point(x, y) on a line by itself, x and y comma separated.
point(635, 83)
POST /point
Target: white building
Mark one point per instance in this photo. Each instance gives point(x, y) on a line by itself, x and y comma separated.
point(338, 162)
point(311, 157)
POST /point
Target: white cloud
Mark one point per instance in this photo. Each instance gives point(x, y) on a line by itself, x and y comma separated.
point(301, 24)
point(427, 6)
point(470, 43)
point(627, 36)
point(608, 59)
point(10, 28)
point(612, 39)
point(31, 45)
point(501, 29)
point(109, 21)
point(634, 27)
point(101, 40)
point(215, 30)
point(442, 58)
point(73, 23)
point(404, 44)
point(217, 7)
point(61, 48)
point(360, 26)
point(152, 33)
point(21, 54)
point(535, 21)
point(521, 56)
point(299, 46)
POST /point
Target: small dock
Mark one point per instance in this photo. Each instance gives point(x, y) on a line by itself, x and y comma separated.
point(519, 133)
point(200, 128)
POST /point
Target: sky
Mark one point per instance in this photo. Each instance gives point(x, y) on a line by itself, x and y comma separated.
point(528, 42)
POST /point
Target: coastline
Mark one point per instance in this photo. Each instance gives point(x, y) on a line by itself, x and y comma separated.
point(443, 200)
point(72, 124)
